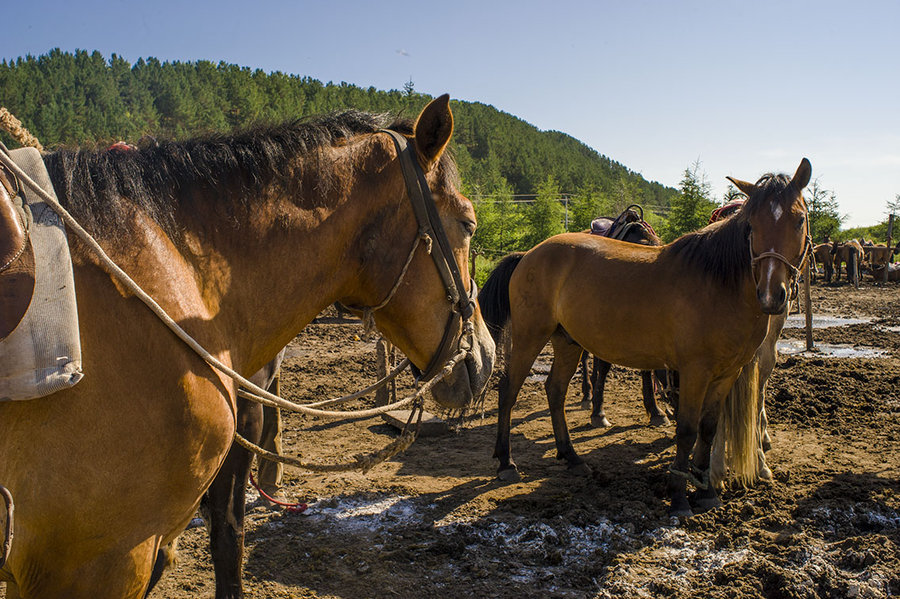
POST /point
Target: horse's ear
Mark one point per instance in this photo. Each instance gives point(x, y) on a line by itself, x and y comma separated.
point(745, 187)
point(433, 130)
point(801, 177)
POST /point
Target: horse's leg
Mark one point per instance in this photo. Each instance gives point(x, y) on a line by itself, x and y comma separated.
point(271, 473)
point(226, 498)
point(706, 498)
point(586, 382)
point(521, 356)
point(657, 416)
point(565, 362)
point(165, 557)
point(601, 371)
point(693, 385)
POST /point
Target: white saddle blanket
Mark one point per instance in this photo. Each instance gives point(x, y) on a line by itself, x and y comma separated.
point(43, 354)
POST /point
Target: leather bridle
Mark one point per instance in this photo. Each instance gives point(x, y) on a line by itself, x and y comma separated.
point(462, 304)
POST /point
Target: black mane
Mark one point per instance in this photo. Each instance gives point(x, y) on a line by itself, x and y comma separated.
point(721, 250)
point(97, 185)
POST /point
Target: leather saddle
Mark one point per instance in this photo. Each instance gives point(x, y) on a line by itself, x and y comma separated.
point(16, 256)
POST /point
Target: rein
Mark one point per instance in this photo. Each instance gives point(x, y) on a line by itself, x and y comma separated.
point(463, 306)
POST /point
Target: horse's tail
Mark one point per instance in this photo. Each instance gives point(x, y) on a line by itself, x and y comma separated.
point(493, 298)
point(739, 422)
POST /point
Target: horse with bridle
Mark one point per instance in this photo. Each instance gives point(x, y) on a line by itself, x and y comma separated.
point(242, 239)
point(629, 227)
point(662, 312)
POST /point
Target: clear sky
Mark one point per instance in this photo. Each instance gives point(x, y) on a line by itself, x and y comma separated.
point(743, 87)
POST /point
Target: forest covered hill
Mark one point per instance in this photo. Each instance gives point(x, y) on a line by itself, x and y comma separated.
point(84, 98)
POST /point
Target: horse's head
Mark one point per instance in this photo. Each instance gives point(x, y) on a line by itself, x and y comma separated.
point(433, 313)
point(779, 233)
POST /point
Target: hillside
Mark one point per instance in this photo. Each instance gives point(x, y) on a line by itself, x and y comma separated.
point(83, 98)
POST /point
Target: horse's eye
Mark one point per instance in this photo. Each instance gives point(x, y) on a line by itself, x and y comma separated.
point(468, 226)
point(800, 222)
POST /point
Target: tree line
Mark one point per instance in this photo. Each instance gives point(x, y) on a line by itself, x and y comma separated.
point(84, 98)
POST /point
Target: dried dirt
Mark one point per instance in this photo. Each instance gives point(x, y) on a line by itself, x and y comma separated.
point(436, 522)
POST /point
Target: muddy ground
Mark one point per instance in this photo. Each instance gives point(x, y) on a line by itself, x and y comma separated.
point(436, 522)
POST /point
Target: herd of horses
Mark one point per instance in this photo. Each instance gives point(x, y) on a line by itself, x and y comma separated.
point(854, 257)
point(106, 475)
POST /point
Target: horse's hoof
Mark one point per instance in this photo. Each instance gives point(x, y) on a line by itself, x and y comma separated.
point(586, 405)
point(765, 474)
point(600, 422)
point(581, 469)
point(704, 504)
point(509, 475)
point(659, 421)
point(680, 512)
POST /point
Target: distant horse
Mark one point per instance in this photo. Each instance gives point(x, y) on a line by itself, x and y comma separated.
point(662, 312)
point(822, 255)
point(849, 253)
point(243, 239)
point(878, 255)
point(630, 227)
point(893, 272)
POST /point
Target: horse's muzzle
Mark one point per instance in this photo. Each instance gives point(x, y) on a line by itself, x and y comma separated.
point(773, 301)
point(469, 377)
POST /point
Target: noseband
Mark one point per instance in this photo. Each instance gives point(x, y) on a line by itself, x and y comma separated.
point(462, 304)
point(794, 270)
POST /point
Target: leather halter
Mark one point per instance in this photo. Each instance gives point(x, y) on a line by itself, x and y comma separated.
point(794, 270)
point(462, 303)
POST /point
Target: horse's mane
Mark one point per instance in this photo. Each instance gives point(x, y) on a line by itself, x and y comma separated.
point(721, 250)
point(97, 185)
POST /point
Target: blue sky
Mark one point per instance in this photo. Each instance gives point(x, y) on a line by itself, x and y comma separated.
point(743, 87)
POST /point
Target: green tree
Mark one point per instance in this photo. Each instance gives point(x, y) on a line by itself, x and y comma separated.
point(894, 207)
point(691, 209)
point(587, 204)
point(544, 218)
point(497, 232)
point(822, 207)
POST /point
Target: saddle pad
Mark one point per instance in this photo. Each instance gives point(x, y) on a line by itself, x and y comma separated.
point(43, 354)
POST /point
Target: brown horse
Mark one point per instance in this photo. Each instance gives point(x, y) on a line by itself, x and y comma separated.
point(243, 239)
point(663, 312)
point(849, 253)
point(630, 227)
point(879, 255)
point(822, 255)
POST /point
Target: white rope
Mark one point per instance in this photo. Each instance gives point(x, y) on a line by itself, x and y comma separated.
point(339, 400)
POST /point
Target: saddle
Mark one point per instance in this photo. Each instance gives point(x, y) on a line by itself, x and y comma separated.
point(618, 227)
point(725, 211)
point(16, 255)
point(40, 346)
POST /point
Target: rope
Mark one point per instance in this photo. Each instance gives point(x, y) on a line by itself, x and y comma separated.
point(364, 462)
point(268, 399)
point(296, 507)
point(368, 318)
point(15, 128)
point(337, 401)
